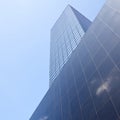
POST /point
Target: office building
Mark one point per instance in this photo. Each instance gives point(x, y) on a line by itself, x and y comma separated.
point(66, 34)
point(88, 84)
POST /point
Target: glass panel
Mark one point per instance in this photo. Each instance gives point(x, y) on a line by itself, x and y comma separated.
point(116, 100)
point(90, 70)
point(115, 54)
point(100, 57)
point(88, 110)
point(84, 95)
point(77, 71)
point(98, 91)
point(105, 68)
point(65, 108)
point(107, 112)
point(108, 38)
point(75, 109)
point(91, 43)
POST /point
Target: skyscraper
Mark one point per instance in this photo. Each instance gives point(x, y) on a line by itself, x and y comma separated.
point(66, 34)
point(88, 84)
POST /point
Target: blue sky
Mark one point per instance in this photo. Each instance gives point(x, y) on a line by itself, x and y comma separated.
point(24, 51)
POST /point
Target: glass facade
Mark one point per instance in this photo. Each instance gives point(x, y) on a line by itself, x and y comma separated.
point(88, 86)
point(66, 34)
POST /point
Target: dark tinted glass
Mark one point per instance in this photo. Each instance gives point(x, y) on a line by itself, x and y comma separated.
point(98, 92)
point(77, 72)
point(116, 101)
point(90, 70)
point(107, 112)
point(100, 57)
point(88, 110)
point(108, 39)
point(91, 43)
point(115, 54)
point(75, 109)
point(66, 112)
point(106, 68)
point(113, 81)
point(84, 95)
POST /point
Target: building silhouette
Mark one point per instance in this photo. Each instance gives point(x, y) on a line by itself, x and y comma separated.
point(66, 34)
point(87, 85)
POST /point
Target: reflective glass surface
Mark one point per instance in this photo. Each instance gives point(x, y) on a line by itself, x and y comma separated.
point(88, 84)
point(66, 34)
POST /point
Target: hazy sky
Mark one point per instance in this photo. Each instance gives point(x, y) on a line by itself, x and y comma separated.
point(24, 51)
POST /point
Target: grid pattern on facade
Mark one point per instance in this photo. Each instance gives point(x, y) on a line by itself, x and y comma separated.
point(65, 36)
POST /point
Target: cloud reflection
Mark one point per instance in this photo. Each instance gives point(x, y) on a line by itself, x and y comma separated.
point(103, 87)
point(112, 81)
